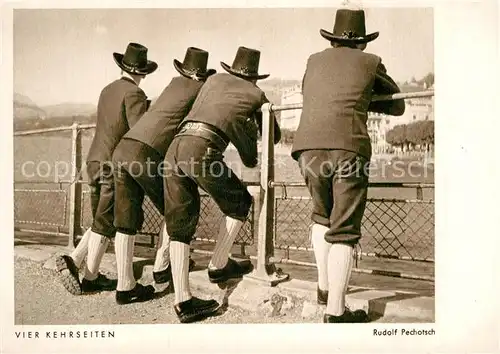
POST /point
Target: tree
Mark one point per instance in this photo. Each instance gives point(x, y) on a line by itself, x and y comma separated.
point(416, 133)
point(428, 134)
point(397, 136)
point(429, 79)
point(412, 134)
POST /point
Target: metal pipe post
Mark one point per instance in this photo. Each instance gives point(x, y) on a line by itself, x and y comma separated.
point(72, 187)
point(266, 271)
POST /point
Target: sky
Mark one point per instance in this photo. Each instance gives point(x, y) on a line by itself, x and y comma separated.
point(65, 55)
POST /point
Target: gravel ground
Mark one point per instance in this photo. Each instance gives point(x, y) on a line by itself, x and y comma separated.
point(41, 300)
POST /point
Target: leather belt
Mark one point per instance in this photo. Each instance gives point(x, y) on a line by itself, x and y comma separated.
point(205, 131)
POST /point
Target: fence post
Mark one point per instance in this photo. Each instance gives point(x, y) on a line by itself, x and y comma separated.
point(420, 193)
point(74, 187)
point(265, 271)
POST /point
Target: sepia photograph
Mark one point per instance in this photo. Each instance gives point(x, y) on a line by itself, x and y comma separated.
point(336, 200)
point(224, 165)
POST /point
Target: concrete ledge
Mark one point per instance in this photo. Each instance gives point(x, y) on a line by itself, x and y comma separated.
point(297, 296)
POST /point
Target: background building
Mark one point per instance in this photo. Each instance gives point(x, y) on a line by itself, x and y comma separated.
point(378, 125)
point(290, 119)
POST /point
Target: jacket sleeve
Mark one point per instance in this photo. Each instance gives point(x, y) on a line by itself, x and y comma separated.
point(246, 142)
point(135, 106)
point(385, 85)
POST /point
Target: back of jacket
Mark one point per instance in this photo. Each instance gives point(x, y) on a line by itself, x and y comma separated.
point(120, 106)
point(337, 90)
point(229, 104)
point(158, 125)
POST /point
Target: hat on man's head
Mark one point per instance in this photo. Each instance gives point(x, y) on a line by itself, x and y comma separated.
point(194, 65)
point(245, 64)
point(349, 27)
point(135, 60)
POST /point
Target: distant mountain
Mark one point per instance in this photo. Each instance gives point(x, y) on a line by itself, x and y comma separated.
point(23, 100)
point(70, 110)
point(25, 108)
point(28, 115)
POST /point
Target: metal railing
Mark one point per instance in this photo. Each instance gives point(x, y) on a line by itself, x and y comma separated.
point(392, 227)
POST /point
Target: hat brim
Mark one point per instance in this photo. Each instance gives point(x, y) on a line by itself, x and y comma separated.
point(150, 67)
point(242, 75)
point(333, 38)
point(198, 76)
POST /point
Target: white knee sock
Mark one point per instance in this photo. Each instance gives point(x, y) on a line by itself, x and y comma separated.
point(228, 231)
point(81, 249)
point(162, 259)
point(124, 250)
point(339, 272)
point(98, 245)
point(321, 250)
point(179, 260)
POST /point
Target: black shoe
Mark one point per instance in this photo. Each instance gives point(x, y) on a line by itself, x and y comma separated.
point(358, 316)
point(232, 269)
point(68, 274)
point(138, 294)
point(322, 296)
point(101, 283)
point(164, 276)
point(195, 309)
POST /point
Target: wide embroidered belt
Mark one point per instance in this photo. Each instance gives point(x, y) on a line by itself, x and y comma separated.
point(205, 131)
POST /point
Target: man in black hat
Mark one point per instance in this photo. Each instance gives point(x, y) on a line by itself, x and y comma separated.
point(138, 161)
point(121, 104)
point(333, 150)
point(224, 112)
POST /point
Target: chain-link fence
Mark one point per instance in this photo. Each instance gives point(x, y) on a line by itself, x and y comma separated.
point(391, 228)
point(42, 162)
point(41, 206)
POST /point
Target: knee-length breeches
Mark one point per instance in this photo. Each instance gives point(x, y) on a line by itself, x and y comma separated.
point(137, 172)
point(338, 183)
point(191, 163)
point(102, 197)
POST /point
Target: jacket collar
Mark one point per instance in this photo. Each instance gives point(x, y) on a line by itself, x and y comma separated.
point(128, 79)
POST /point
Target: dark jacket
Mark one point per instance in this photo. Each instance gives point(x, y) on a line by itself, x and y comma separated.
point(158, 126)
point(337, 88)
point(230, 104)
point(120, 106)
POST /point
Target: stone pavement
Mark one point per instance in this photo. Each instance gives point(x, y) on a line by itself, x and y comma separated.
point(294, 296)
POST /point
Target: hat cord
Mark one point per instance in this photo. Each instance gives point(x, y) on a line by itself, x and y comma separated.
point(349, 34)
point(243, 70)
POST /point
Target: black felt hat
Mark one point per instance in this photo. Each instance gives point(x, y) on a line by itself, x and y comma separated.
point(349, 27)
point(245, 64)
point(194, 65)
point(135, 60)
